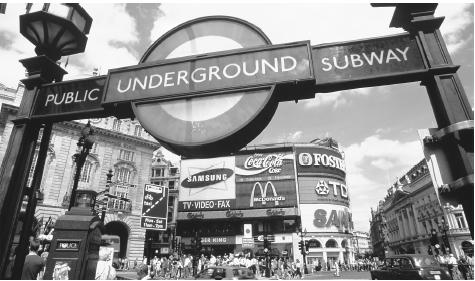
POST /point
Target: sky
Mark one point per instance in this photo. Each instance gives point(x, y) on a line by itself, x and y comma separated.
point(376, 127)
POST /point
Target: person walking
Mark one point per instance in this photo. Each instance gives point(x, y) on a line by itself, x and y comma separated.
point(33, 263)
point(104, 269)
point(298, 265)
point(337, 269)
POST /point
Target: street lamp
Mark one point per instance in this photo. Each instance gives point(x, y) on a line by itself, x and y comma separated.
point(85, 143)
point(444, 227)
point(56, 29)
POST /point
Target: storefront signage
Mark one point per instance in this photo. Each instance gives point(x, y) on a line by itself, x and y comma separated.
point(320, 160)
point(242, 68)
point(207, 184)
point(234, 214)
point(366, 59)
point(326, 218)
point(323, 190)
point(212, 240)
point(154, 207)
point(264, 166)
point(248, 243)
point(249, 213)
point(71, 98)
point(275, 212)
point(67, 245)
point(207, 205)
point(206, 178)
point(195, 215)
point(266, 194)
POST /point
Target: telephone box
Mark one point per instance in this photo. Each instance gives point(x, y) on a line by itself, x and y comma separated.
point(74, 251)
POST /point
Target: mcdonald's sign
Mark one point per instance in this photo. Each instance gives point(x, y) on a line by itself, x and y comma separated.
point(266, 194)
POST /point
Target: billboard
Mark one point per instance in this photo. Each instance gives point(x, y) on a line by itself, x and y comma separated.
point(265, 180)
point(319, 160)
point(154, 207)
point(323, 190)
point(207, 184)
point(326, 218)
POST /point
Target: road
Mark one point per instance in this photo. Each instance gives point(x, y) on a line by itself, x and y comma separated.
point(321, 275)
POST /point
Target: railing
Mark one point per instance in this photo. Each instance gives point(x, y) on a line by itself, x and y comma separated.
point(127, 208)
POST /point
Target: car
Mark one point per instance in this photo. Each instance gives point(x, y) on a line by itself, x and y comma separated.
point(225, 272)
point(410, 267)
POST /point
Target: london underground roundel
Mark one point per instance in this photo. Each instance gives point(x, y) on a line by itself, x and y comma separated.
point(214, 123)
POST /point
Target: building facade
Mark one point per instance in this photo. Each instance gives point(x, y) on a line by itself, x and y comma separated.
point(362, 244)
point(277, 194)
point(121, 146)
point(405, 218)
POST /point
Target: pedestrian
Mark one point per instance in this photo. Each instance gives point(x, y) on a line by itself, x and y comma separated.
point(298, 265)
point(463, 267)
point(142, 272)
point(337, 269)
point(453, 267)
point(33, 263)
point(104, 269)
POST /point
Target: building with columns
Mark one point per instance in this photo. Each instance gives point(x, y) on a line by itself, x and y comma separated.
point(361, 243)
point(121, 145)
point(403, 221)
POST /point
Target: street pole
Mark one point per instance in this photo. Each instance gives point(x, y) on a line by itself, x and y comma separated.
point(450, 104)
point(19, 154)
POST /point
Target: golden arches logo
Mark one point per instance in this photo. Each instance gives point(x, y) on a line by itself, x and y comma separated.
point(263, 198)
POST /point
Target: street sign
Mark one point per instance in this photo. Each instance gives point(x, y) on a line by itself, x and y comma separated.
point(154, 207)
point(248, 243)
point(187, 77)
point(70, 99)
point(368, 62)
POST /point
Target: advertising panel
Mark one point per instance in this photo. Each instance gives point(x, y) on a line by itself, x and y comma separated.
point(154, 207)
point(207, 184)
point(265, 180)
point(326, 218)
point(266, 194)
point(323, 190)
point(319, 160)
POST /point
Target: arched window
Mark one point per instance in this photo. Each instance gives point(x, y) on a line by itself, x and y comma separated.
point(86, 172)
point(314, 243)
point(331, 244)
point(123, 175)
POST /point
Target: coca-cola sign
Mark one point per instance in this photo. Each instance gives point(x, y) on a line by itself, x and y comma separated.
point(265, 166)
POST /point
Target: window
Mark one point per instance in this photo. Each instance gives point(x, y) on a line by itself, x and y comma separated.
point(157, 183)
point(123, 175)
point(158, 172)
point(460, 220)
point(32, 168)
point(126, 155)
point(116, 125)
point(138, 131)
point(94, 148)
point(331, 244)
point(86, 172)
point(171, 185)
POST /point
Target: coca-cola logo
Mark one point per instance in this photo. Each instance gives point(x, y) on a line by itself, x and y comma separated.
point(195, 215)
point(275, 212)
point(259, 163)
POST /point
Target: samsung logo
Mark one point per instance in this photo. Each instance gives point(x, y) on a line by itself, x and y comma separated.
point(206, 178)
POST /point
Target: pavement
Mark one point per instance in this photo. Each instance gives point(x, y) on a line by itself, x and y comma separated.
point(321, 275)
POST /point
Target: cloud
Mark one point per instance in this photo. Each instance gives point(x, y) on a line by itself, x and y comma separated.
point(290, 137)
point(369, 164)
point(457, 19)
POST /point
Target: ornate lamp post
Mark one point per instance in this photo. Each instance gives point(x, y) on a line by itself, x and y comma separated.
point(56, 30)
point(444, 227)
point(85, 143)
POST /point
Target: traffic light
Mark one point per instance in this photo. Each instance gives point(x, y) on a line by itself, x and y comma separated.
point(434, 241)
point(266, 243)
point(429, 250)
point(199, 245)
point(302, 246)
point(307, 246)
